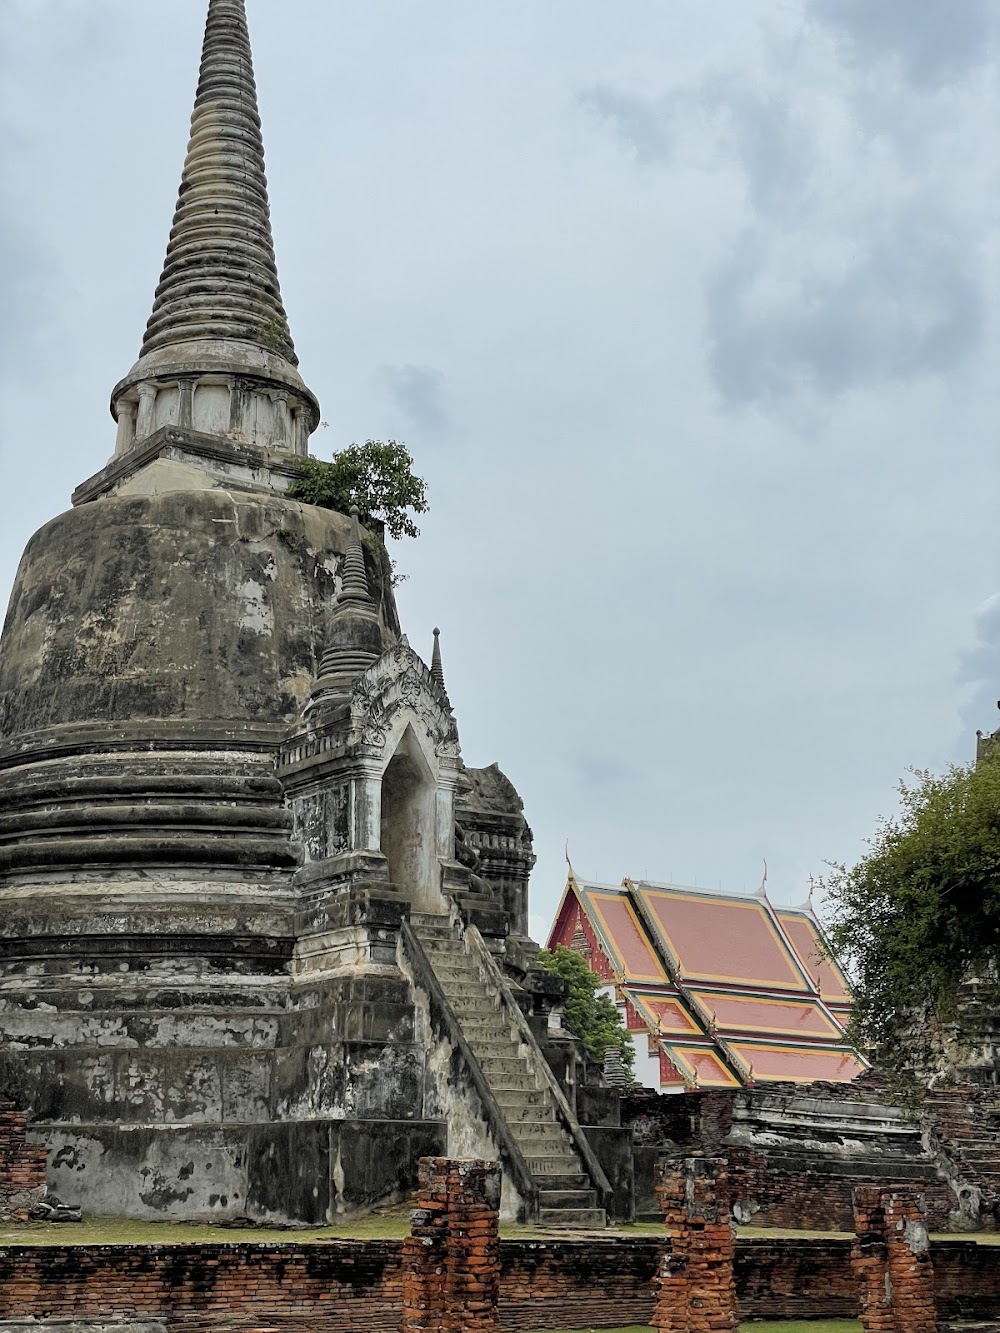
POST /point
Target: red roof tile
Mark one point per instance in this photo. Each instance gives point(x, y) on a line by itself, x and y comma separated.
point(710, 937)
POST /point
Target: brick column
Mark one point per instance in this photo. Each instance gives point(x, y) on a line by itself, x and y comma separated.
point(891, 1259)
point(451, 1259)
point(22, 1166)
point(696, 1290)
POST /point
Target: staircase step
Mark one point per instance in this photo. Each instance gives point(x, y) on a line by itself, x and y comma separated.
point(499, 1065)
point(542, 1129)
point(448, 953)
point(469, 990)
point(549, 1140)
point(473, 1011)
point(484, 1028)
point(512, 1083)
point(562, 1165)
point(483, 1023)
point(567, 1181)
point(444, 948)
point(580, 1219)
point(567, 1198)
point(521, 1105)
point(448, 972)
point(495, 1048)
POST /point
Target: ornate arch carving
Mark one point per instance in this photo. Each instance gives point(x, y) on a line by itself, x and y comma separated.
point(400, 682)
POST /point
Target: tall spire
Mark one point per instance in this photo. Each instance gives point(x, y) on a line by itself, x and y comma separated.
point(217, 311)
point(220, 278)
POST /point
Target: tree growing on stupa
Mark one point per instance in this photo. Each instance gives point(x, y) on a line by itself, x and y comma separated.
point(918, 916)
point(377, 476)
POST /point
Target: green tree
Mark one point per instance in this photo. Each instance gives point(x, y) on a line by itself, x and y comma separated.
point(593, 1018)
point(377, 476)
point(920, 913)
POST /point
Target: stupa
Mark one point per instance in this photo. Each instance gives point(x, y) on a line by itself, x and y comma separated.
point(263, 936)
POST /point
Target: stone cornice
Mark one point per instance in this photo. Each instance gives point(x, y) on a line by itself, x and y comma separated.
point(244, 467)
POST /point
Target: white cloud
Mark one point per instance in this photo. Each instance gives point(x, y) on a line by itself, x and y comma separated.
point(856, 258)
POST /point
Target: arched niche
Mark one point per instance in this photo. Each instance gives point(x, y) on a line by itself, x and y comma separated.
point(409, 825)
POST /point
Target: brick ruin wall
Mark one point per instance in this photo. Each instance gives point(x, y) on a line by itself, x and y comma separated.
point(346, 1286)
point(801, 1187)
point(805, 1200)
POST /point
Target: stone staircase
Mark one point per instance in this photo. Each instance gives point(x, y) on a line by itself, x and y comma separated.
point(566, 1196)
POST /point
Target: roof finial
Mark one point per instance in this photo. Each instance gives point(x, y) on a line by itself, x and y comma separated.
point(437, 666)
point(762, 891)
point(217, 309)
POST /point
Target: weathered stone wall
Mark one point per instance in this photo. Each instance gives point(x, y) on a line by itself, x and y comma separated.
point(812, 1198)
point(962, 1123)
point(306, 1171)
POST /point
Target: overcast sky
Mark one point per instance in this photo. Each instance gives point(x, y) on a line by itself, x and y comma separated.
point(687, 313)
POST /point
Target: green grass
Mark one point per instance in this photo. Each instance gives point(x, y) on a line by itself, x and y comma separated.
point(384, 1224)
point(633, 1328)
point(980, 1237)
point(389, 1225)
point(656, 1229)
point(802, 1326)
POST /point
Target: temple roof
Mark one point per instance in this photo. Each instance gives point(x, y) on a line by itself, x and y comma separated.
point(727, 989)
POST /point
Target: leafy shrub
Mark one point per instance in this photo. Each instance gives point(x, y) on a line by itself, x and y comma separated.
point(594, 1018)
point(377, 476)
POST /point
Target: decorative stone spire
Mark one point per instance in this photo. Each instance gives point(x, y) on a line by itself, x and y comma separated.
point(437, 666)
point(354, 636)
point(354, 587)
point(218, 354)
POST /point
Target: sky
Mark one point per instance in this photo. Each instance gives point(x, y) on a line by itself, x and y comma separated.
point(687, 315)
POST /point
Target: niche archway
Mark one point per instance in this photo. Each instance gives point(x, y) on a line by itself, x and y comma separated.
point(408, 833)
